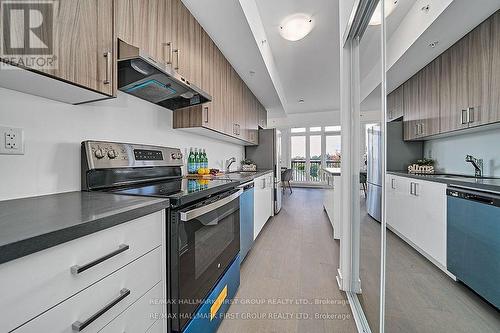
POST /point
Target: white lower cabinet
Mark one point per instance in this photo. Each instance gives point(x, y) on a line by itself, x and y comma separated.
point(55, 289)
point(123, 288)
point(416, 210)
point(263, 202)
point(35, 283)
point(141, 315)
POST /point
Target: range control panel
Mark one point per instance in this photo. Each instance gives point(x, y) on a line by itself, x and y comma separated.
point(107, 155)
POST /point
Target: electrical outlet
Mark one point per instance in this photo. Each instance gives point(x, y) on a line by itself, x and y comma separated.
point(11, 141)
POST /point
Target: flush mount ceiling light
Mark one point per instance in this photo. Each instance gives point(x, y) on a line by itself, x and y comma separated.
point(296, 26)
point(389, 7)
point(301, 100)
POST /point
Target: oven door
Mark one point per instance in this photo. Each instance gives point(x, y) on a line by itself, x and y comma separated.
point(207, 242)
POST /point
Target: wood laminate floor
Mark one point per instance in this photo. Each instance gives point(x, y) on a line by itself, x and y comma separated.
point(289, 275)
point(419, 296)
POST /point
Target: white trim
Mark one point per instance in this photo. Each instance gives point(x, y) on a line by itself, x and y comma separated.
point(357, 313)
point(383, 118)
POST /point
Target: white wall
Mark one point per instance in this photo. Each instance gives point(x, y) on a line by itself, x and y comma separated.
point(450, 152)
point(53, 132)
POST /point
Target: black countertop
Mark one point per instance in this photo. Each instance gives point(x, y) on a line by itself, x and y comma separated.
point(30, 225)
point(484, 184)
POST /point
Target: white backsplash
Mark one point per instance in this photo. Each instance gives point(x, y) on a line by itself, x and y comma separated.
point(53, 132)
point(450, 152)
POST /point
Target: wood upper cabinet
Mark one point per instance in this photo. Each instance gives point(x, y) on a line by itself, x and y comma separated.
point(147, 25)
point(395, 104)
point(187, 44)
point(479, 60)
point(428, 95)
point(453, 87)
point(83, 44)
point(495, 69)
point(262, 116)
point(411, 108)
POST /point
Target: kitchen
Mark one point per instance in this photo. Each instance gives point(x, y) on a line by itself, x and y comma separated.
point(98, 182)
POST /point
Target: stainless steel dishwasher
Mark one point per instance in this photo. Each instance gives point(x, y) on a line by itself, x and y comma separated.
point(473, 240)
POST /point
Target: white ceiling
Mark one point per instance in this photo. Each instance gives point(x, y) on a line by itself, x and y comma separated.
point(226, 24)
point(309, 68)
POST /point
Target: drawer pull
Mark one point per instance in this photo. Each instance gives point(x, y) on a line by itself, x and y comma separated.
point(77, 269)
point(79, 326)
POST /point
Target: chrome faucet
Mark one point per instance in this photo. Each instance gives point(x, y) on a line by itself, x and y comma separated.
point(229, 162)
point(476, 163)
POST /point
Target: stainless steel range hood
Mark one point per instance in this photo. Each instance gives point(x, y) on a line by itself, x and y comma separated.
point(144, 77)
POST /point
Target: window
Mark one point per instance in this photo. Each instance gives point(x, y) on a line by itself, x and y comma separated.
point(298, 130)
point(298, 154)
point(298, 148)
point(312, 149)
point(315, 157)
point(332, 128)
point(333, 147)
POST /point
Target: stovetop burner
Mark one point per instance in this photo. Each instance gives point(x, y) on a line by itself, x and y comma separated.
point(143, 170)
point(179, 191)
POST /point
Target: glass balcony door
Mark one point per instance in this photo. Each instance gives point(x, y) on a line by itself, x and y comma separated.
point(311, 150)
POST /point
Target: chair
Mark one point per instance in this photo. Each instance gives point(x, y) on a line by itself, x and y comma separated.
point(362, 181)
point(286, 177)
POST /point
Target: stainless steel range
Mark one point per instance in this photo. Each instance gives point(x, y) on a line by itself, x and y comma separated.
point(203, 226)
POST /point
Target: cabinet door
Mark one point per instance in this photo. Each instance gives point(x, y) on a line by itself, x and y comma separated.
point(479, 73)
point(411, 108)
point(495, 68)
point(453, 88)
point(146, 24)
point(83, 45)
point(429, 99)
point(209, 70)
point(186, 33)
point(395, 104)
point(430, 218)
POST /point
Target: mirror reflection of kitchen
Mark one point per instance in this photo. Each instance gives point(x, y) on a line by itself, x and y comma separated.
point(443, 230)
point(370, 61)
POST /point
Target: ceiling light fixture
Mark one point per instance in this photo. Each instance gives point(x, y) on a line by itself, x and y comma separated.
point(301, 100)
point(296, 26)
point(377, 15)
point(434, 44)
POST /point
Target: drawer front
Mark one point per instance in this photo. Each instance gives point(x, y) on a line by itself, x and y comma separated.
point(138, 277)
point(141, 315)
point(35, 283)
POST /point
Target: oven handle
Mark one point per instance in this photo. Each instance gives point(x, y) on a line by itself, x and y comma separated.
point(191, 214)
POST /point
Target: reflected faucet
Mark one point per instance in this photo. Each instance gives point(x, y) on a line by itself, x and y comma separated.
point(229, 162)
point(476, 163)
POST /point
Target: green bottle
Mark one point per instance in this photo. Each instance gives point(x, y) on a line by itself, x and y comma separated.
point(191, 162)
point(196, 160)
point(205, 159)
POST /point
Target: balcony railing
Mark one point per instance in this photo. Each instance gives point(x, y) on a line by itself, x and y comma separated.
point(300, 173)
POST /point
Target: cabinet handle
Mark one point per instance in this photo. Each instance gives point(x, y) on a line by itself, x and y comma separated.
point(75, 270)
point(422, 128)
point(415, 187)
point(465, 117)
point(264, 183)
point(411, 188)
point(80, 326)
point(205, 113)
point(107, 79)
point(177, 51)
point(169, 59)
point(470, 115)
point(393, 185)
